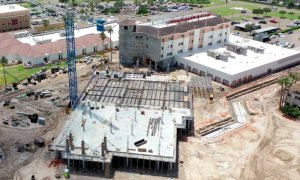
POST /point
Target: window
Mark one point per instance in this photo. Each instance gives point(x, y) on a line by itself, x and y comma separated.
point(182, 35)
point(162, 48)
point(211, 36)
point(180, 44)
point(162, 56)
point(162, 40)
point(200, 46)
point(170, 38)
point(220, 34)
point(125, 27)
point(225, 33)
point(169, 54)
point(136, 37)
point(147, 38)
point(134, 29)
point(225, 40)
point(209, 44)
point(180, 51)
point(192, 41)
point(190, 49)
point(191, 33)
point(289, 94)
point(146, 45)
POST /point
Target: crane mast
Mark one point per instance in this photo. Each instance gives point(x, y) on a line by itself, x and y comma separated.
point(71, 57)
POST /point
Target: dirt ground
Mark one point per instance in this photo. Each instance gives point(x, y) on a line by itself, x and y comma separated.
point(266, 148)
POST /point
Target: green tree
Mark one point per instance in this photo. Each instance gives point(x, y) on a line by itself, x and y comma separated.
point(274, 2)
point(282, 12)
point(45, 22)
point(250, 27)
point(254, 11)
point(82, 11)
point(289, 3)
point(136, 2)
point(150, 2)
point(110, 30)
point(92, 6)
point(142, 9)
point(4, 62)
point(267, 10)
point(103, 37)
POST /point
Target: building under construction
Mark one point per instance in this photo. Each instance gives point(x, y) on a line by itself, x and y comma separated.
point(127, 120)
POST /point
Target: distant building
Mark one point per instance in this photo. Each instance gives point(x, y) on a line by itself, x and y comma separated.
point(14, 17)
point(293, 97)
point(161, 40)
point(46, 48)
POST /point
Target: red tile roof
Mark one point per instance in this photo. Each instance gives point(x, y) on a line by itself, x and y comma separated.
point(10, 45)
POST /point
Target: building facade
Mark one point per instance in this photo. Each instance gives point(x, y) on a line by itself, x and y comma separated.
point(14, 17)
point(293, 97)
point(158, 42)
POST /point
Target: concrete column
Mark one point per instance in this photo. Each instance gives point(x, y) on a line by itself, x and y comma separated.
point(155, 65)
point(83, 164)
point(171, 166)
point(137, 163)
point(102, 166)
point(127, 163)
point(107, 170)
point(68, 162)
point(143, 163)
point(130, 162)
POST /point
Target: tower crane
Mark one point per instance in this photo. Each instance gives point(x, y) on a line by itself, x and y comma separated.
point(71, 55)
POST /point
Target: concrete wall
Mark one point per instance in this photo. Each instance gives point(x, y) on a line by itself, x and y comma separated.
point(133, 45)
point(293, 99)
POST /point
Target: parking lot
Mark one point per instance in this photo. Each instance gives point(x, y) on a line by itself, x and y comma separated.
point(292, 38)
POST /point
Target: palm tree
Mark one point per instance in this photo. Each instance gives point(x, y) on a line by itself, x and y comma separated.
point(45, 22)
point(110, 30)
point(103, 36)
point(286, 83)
point(281, 82)
point(3, 62)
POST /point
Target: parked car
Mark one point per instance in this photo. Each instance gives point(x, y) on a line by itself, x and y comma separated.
point(243, 11)
point(291, 25)
point(245, 19)
point(297, 22)
point(291, 46)
point(273, 21)
point(272, 37)
point(262, 22)
point(290, 32)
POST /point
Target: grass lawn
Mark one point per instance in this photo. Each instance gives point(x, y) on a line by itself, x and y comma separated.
point(50, 27)
point(26, 4)
point(19, 72)
point(286, 16)
point(228, 10)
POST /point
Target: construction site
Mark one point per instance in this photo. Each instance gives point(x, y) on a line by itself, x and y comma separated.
point(136, 118)
point(100, 118)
